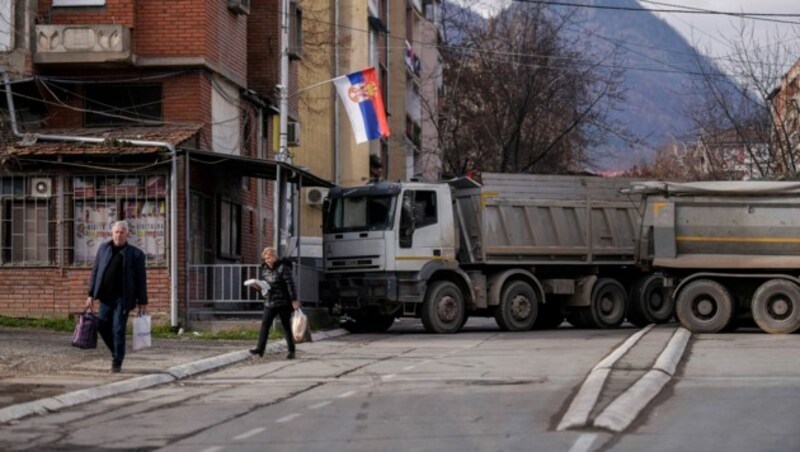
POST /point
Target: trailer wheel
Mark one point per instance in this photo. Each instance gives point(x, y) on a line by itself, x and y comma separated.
point(609, 304)
point(650, 302)
point(518, 307)
point(776, 306)
point(704, 306)
point(443, 310)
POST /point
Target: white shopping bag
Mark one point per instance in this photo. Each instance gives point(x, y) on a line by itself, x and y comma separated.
point(300, 326)
point(141, 332)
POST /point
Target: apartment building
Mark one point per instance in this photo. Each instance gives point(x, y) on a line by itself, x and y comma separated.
point(162, 113)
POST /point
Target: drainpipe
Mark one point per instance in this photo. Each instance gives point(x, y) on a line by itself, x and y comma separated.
point(173, 191)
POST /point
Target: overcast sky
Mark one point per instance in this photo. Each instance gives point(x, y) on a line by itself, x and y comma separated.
point(711, 34)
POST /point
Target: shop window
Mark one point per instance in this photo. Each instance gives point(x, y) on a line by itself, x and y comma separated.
point(99, 201)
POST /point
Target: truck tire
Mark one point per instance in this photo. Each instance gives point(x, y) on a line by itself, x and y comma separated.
point(443, 311)
point(518, 307)
point(649, 302)
point(776, 306)
point(609, 304)
point(704, 306)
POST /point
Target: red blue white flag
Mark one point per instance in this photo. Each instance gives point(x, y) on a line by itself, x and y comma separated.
point(361, 94)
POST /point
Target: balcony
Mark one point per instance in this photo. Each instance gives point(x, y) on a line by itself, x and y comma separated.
point(71, 44)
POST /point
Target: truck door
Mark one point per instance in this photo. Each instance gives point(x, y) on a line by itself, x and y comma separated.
point(420, 237)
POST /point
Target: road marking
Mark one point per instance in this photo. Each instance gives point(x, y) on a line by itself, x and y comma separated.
point(584, 442)
point(409, 367)
point(213, 449)
point(388, 377)
point(319, 405)
point(287, 418)
point(249, 433)
point(345, 394)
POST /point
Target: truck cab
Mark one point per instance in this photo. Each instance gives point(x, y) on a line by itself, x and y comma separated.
point(380, 242)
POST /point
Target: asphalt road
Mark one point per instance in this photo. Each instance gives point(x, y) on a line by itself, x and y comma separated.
point(479, 390)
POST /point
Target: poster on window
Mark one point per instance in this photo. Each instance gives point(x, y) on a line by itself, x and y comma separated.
point(93, 223)
point(148, 223)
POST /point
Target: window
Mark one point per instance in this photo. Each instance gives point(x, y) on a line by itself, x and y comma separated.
point(26, 234)
point(6, 26)
point(79, 2)
point(99, 201)
point(295, 31)
point(424, 208)
point(116, 105)
point(229, 231)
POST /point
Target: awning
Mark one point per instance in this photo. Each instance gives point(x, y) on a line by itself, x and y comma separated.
point(253, 167)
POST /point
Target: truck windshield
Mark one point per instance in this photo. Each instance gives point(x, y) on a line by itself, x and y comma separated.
point(360, 213)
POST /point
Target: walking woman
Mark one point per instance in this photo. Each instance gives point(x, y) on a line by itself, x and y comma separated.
point(281, 299)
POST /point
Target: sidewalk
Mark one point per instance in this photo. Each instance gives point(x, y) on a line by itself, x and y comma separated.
point(41, 372)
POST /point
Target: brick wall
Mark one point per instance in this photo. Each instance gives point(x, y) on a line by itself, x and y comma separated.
point(49, 292)
point(263, 53)
point(170, 28)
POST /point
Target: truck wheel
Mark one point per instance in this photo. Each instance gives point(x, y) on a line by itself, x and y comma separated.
point(443, 310)
point(518, 307)
point(704, 306)
point(609, 304)
point(776, 306)
point(650, 302)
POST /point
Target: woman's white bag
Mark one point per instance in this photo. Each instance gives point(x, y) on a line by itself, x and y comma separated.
point(299, 326)
point(141, 332)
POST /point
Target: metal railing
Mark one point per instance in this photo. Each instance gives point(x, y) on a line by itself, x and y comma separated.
point(217, 291)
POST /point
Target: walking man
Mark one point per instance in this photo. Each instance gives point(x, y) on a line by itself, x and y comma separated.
point(120, 283)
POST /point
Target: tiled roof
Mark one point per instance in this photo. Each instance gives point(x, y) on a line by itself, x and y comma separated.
point(115, 143)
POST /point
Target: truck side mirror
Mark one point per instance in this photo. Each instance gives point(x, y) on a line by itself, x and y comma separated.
point(407, 220)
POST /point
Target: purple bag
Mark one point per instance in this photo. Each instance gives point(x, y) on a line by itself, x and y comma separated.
point(85, 335)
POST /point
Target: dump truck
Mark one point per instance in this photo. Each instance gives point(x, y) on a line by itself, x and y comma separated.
point(528, 250)
point(729, 252)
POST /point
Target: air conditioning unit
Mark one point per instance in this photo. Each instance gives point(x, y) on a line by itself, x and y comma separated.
point(41, 187)
point(293, 134)
point(315, 195)
point(239, 6)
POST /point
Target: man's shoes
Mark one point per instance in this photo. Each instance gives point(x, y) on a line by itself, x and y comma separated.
point(290, 355)
point(255, 351)
point(116, 368)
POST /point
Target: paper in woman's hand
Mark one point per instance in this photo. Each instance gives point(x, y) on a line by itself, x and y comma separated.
point(261, 284)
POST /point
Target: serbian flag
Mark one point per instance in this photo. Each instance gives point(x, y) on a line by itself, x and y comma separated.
point(361, 94)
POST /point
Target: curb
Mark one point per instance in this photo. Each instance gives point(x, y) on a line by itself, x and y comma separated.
point(55, 403)
point(624, 409)
point(578, 413)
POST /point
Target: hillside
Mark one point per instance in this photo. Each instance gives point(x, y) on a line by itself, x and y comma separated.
point(658, 65)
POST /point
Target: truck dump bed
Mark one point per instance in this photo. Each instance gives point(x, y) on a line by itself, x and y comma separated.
point(724, 225)
point(536, 220)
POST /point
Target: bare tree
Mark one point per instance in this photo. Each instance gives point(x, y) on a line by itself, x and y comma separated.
point(741, 104)
point(522, 93)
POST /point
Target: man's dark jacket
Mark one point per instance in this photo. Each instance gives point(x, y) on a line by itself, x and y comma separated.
point(282, 290)
point(134, 280)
